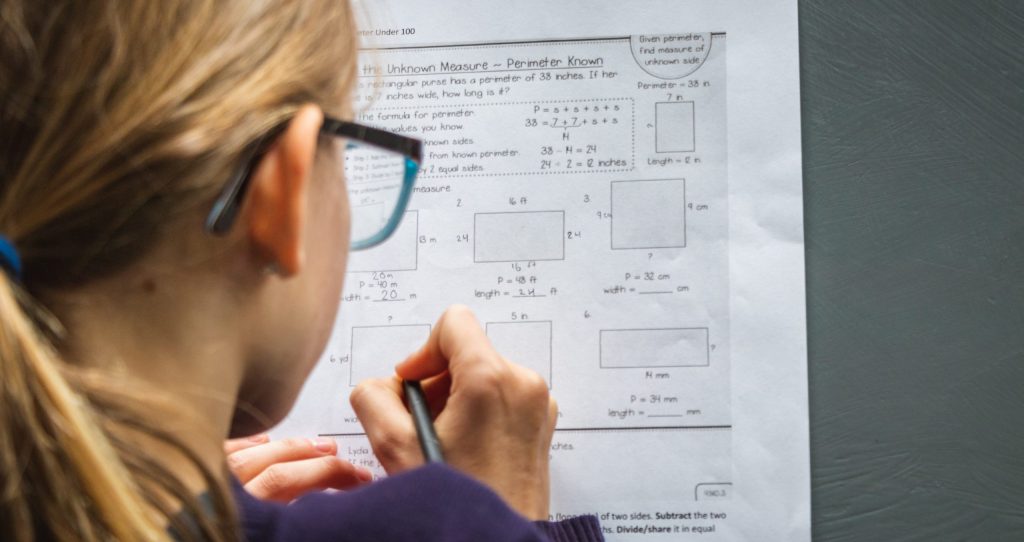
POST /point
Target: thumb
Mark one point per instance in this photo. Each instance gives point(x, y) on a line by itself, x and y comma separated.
point(388, 425)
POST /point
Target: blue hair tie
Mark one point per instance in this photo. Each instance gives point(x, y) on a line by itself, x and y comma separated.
point(9, 258)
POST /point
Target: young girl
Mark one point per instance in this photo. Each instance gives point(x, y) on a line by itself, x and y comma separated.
point(174, 229)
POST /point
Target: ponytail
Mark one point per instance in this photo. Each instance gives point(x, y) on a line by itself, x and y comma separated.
point(114, 123)
point(61, 476)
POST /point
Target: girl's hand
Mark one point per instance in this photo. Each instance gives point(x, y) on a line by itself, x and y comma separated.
point(283, 470)
point(495, 419)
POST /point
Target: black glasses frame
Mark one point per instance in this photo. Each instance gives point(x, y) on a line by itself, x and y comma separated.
point(225, 208)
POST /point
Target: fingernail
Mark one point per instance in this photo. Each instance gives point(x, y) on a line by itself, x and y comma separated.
point(262, 437)
point(323, 444)
point(364, 474)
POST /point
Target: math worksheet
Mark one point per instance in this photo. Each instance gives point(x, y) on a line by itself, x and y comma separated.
point(615, 189)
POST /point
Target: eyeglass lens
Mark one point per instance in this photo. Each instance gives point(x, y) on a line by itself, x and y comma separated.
point(375, 178)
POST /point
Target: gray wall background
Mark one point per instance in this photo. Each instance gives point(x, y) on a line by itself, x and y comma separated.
point(913, 141)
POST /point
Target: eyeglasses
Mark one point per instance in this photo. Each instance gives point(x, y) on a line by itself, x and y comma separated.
point(380, 169)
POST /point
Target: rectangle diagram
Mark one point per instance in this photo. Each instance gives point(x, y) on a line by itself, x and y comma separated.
point(519, 236)
point(399, 253)
point(648, 214)
point(674, 128)
point(375, 350)
point(649, 348)
point(525, 343)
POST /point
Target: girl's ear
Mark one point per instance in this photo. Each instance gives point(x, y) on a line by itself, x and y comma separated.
point(276, 216)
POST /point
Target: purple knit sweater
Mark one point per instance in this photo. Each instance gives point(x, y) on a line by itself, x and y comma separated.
point(431, 503)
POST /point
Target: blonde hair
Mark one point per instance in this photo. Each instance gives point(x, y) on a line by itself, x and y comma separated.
point(116, 117)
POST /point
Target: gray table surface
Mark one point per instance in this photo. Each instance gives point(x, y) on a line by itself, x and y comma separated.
point(913, 141)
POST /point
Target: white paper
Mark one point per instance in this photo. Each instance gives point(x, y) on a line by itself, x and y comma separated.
point(616, 192)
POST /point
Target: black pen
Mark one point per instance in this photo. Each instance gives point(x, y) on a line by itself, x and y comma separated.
point(417, 404)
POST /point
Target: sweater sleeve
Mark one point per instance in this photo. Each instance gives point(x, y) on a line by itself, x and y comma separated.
point(577, 529)
point(431, 503)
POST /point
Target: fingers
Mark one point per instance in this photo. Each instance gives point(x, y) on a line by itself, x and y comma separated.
point(552, 423)
point(495, 419)
point(456, 339)
point(249, 462)
point(378, 404)
point(436, 390)
point(236, 444)
point(286, 481)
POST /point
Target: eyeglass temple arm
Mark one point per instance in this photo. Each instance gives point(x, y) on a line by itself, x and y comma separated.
point(408, 146)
